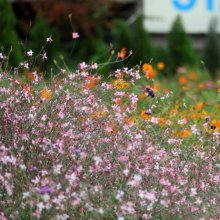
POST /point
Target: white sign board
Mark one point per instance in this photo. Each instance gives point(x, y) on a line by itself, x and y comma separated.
point(196, 14)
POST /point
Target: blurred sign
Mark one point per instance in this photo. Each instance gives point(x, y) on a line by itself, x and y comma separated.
point(196, 14)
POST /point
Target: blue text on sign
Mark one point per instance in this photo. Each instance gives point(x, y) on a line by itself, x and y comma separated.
point(190, 4)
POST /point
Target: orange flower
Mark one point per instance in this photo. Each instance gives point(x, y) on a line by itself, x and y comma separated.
point(199, 105)
point(218, 124)
point(99, 114)
point(46, 94)
point(160, 65)
point(122, 53)
point(162, 121)
point(146, 67)
point(184, 133)
point(156, 86)
point(148, 70)
point(192, 75)
point(141, 96)
point(112, 128)
point(182, 80)
point(218, 90)
point(214, 122)
point(131, 121)
point(30, 76)
point(201, 85)
point(120, 75)
point(89, 82)
point(118, 101)
point(145, 115)
point(174, 112)
point(166, 89)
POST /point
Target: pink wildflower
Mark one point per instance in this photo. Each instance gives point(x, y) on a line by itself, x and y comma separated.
point(94, 66)
point(44, 56)
point(165, 202)
point(75, 35)
point(30, 53)
point(1, 56)
point(49, 39)
point(165, 182)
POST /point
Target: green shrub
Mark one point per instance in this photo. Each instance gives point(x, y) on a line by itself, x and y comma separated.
point(9, 40)
point(180, 46)
point(212, 49)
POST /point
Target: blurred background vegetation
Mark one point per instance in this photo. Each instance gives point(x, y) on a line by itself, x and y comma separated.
point(104, 26)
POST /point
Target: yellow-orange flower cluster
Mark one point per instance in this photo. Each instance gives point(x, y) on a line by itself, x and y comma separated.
point(46, 94)
point(215, 124)
point(99, 114)
point(184, 133)
point(131, 121)
point(121, 84)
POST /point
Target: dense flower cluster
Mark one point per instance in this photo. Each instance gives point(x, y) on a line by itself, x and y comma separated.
point(82, 148)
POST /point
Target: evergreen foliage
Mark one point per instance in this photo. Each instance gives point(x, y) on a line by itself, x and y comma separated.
point(212, 49)
point(180, 46)
point(133, 37)
point(162, 55)
point(9, 40)
point(38, 36)
point(91, 47)
point(100, 52)
point(122, 37)
point(142, 42)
